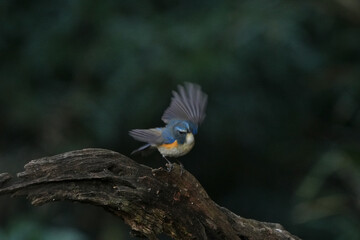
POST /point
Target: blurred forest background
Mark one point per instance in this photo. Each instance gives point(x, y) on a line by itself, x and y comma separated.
point(280, 142)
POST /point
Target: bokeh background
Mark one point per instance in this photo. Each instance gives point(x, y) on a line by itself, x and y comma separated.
point(280, 142)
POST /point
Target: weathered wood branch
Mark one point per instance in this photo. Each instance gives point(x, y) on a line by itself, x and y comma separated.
point(151, 201)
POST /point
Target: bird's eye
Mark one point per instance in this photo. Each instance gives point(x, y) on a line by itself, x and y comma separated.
point(181, 131)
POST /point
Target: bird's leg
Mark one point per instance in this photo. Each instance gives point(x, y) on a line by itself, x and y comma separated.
point(181, 167)
point(169, 165)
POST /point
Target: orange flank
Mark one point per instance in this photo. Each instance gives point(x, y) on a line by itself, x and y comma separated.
point(170, 145)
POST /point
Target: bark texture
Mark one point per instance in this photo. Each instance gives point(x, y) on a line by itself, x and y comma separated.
point(151, 201)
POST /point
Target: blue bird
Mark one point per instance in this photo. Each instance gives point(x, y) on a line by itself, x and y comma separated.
point(182, 118)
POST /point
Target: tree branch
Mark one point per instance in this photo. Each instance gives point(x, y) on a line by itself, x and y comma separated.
point(151, 201)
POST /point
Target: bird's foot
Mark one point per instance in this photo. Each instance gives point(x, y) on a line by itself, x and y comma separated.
point(169, 166)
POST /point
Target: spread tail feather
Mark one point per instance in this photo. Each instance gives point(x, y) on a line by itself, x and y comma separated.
point(152, 135)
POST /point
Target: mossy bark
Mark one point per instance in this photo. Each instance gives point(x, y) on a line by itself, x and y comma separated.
point(150, 201)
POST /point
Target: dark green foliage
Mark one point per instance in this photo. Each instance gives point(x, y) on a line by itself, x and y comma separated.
point(280, 142)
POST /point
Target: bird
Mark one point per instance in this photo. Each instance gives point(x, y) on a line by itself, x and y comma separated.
point(182, 119)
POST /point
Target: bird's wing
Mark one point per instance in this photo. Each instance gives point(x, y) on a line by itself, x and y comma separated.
point(188, 103)
point(143, 147)
point(152, 136)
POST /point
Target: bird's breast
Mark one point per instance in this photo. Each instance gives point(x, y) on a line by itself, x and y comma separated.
point(176, 149)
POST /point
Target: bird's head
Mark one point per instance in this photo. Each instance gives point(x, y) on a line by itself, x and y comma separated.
point(183, 131)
